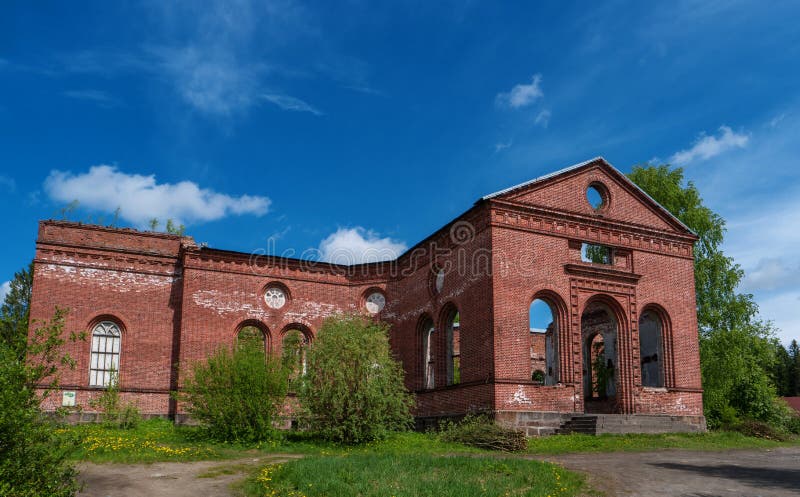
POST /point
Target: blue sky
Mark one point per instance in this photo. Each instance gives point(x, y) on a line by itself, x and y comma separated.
point(337, 125)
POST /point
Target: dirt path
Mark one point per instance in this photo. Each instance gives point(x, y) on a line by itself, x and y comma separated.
point(732, 473)
point(174, 479)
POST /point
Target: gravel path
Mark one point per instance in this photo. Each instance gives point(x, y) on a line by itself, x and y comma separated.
point(732, 473)
point(173, 479)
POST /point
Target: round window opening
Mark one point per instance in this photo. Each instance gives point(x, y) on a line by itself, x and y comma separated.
point(275, 297)
point(375, 302)
point(596, 196)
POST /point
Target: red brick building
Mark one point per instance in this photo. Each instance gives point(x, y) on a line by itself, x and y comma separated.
point(613, 267)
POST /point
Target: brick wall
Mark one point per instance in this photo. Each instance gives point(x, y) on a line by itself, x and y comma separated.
point(176, 302)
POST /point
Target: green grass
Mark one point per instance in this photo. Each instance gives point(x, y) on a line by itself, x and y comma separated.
point(408, 475)
point(160, 440)
point(713, 440)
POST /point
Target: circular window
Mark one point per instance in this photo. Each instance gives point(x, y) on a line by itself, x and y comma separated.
point(375, 302)
point(439, 281)
point(275, 297)
point(596, 196)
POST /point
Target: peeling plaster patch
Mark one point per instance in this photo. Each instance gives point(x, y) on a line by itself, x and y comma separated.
point(230, 303)
point(107, 279)
point(308, 311)
point(519, 397)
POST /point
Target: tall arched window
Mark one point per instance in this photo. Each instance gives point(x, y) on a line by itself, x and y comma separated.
point(544, 343)
point(252, 336)
point(428, 364)
point(453, 329)
point(104, 360)
point(651, 350)
point(293, 355)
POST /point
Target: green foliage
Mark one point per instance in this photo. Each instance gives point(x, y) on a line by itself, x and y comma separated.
point(353, 389)
point(602, 374)
point(115, 413)
point(174, 229)
point(377, 474)
point(33, 452)
point(15, 311)
point(484, 433)
point(737, 354)
point(786, 372)
point(237, 395)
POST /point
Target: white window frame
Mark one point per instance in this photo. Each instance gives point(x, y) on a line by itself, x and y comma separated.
point(105, 352)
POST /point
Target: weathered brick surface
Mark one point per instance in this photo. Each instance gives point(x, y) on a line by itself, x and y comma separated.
point(176, 302)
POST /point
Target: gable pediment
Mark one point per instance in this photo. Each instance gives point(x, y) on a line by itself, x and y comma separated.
point(566, 191)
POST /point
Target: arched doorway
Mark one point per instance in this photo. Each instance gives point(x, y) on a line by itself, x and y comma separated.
point(599, 332)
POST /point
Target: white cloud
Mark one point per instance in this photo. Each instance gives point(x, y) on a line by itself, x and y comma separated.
point(358, 245)
point(101, 98)
point(706, 147)
point(521, 95)
point(4, 289)
point(140, 198)
point(499, 147)
point(287, 102)
point(543, 118)
point(772, 273)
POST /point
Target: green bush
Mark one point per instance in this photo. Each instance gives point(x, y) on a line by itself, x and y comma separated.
point(34, 452)
point(353, 389)
point(484, 433)
point(236, 395)
point(115, 414)
point(760, 429)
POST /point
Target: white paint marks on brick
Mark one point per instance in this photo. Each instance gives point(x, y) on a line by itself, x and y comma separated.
point(106, 279)
point(223, 303)
point(519, 397)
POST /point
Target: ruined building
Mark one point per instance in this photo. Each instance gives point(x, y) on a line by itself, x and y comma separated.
point(610, 270)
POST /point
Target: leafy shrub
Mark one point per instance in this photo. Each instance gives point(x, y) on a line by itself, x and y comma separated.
point(483, 432)
point(236, 395)
point(33, 451)
point(353, 389)
point(760, 429)
point(115, 414)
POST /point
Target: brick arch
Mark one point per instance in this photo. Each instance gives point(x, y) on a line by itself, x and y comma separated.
point(256, 324)
point(426, 351)
point(558, 309)
point(450, 354)
point(668, 364)
point(623, 378)
point(302, 328)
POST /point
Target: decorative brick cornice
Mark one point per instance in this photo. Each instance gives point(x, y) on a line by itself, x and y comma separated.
point(600, 272)
point(535, 219)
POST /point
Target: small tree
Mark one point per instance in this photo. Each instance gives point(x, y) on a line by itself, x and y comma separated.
point(353, 390)
point(34, 455)
point(237, 395)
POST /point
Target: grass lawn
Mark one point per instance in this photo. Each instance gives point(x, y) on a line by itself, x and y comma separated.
point(409, 475)
point(406, 464)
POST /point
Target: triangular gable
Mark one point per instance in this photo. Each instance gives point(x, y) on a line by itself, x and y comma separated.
point(565, 191)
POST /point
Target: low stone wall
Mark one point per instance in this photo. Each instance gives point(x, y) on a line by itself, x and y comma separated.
point(649, 423)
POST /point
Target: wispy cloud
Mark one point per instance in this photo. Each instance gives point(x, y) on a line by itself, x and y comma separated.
point(4, 289)
point(543, 118)
point(287, 102)
point(98, 97)
point(521, 95)
point(499, 147)
point(358, 245)
point(141, 198)
point(708, 146)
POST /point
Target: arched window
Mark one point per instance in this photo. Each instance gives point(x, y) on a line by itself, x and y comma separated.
point(651, 350)
point(252, 336)
point(428, 364)
point(453, 330)
point(293, 356)
point(544, 343)
point(104, 361)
